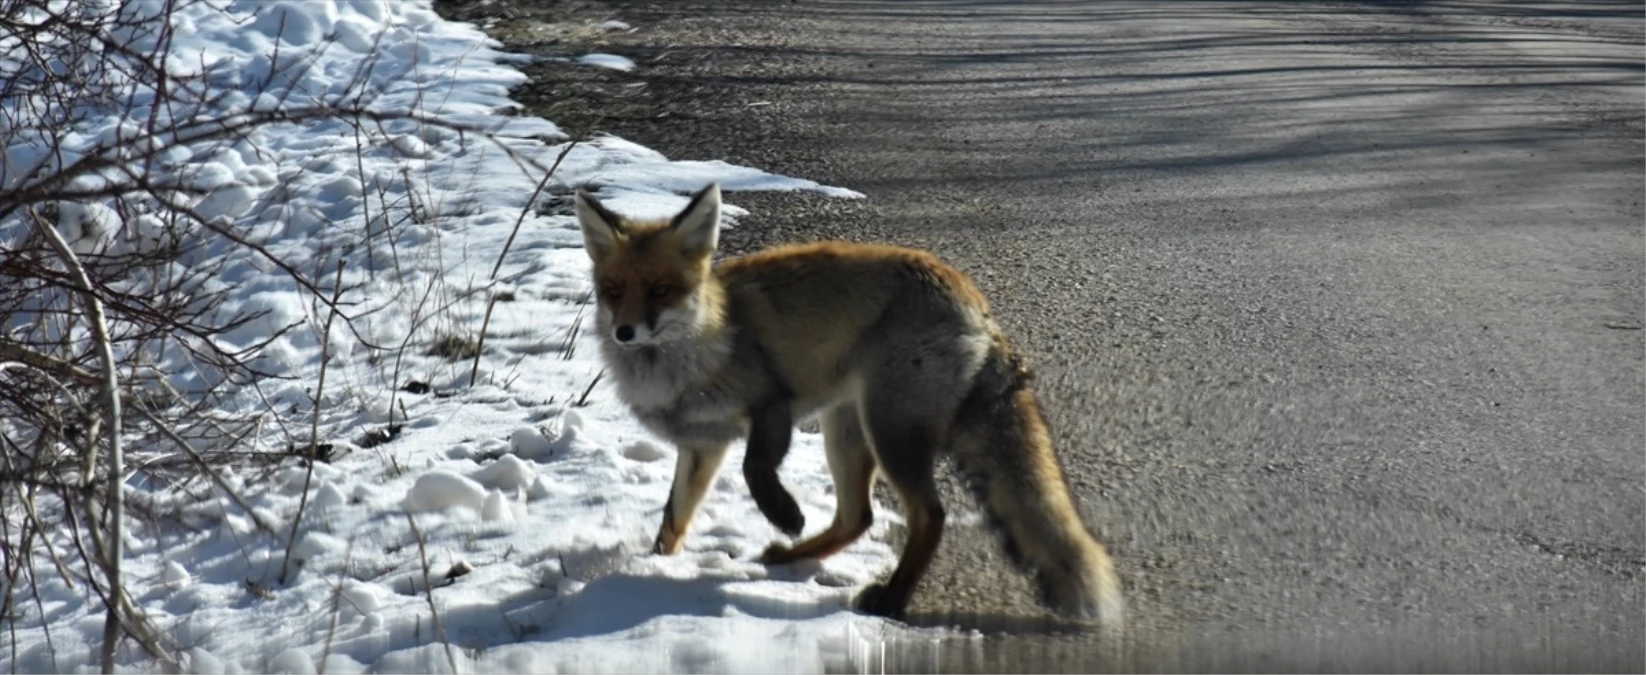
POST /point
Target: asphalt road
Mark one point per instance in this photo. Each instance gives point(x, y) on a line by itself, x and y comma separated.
point(1337, 307)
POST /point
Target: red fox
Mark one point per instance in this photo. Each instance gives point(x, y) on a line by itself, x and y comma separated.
point(894, 351)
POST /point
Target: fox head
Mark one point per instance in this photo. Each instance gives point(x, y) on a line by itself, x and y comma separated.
point(653, 279)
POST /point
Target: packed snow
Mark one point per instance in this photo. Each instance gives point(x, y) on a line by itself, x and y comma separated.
point(611, 61)
point(521, 508)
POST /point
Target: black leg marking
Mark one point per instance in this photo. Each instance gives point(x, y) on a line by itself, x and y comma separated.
point(770, 428)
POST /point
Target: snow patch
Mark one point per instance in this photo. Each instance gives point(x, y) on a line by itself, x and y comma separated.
point(175, 575)
point(442, 490)
point(611, 61)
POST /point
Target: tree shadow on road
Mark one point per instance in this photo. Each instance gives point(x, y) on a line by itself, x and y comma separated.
point(1459, 74)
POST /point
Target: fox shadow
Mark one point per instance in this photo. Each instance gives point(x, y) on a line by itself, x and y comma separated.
point(606, 600)
point(609, 604)
point(619, 601)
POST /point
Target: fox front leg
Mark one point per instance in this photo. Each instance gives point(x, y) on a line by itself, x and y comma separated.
point(770, 426)
point(693, 472)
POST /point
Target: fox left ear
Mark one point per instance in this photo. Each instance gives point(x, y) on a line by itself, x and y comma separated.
point(698, 226)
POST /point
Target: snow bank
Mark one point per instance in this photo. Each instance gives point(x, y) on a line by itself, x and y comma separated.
point(522, 505)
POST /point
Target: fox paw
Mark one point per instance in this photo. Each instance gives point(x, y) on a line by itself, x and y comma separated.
point(776, 554)
point(785, 514)
point(776, 504)
point(668, 541)
point(878, 600)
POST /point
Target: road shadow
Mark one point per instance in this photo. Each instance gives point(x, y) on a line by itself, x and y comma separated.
point(1106, 59)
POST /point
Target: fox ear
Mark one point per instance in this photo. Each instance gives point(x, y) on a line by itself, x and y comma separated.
point(698, 226)
point(602, 229)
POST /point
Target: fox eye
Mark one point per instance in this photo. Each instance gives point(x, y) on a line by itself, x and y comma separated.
point(611, 291)
point(659, 292)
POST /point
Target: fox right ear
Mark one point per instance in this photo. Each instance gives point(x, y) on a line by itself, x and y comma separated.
point(602, 229)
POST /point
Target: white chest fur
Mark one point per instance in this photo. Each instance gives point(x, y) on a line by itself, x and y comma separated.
point(679, 390)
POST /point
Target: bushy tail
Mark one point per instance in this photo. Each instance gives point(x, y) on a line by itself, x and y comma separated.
point(1002, 444)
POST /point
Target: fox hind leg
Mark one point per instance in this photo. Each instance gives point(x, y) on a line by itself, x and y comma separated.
point(853, 467)
point(693, 471)
point(906, 451)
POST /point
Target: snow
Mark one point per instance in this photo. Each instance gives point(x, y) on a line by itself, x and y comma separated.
point(522, 507)
point(175, 575)
point(611, 61)
point(442, 490)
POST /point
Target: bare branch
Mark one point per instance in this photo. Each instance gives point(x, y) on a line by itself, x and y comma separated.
point(112, 556)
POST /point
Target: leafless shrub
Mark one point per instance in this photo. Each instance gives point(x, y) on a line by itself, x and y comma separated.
point(133, 223)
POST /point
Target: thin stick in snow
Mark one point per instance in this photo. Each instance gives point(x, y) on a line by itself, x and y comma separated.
point(336, 606)
point(314, 431)
point(428, 591)
point(527, 208)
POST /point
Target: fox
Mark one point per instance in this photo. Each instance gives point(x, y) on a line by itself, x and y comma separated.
point(893, 352)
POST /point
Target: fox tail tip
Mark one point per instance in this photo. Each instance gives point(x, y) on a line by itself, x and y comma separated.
point(1093, 597)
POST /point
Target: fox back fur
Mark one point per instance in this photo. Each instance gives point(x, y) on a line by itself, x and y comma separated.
point(894, 351)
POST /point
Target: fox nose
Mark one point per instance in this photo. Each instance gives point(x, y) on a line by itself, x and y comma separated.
point(624, 333)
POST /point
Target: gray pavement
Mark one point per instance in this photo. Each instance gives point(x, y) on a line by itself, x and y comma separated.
point(1336, 307)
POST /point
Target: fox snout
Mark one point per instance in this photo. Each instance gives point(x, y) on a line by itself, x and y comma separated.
point(626, 331)
point(633, 335)
point(628, 323)
point(636, 313)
